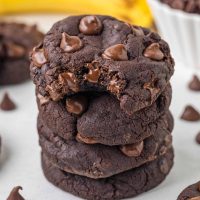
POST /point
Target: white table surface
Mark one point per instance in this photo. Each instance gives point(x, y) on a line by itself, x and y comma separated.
point(20, 159)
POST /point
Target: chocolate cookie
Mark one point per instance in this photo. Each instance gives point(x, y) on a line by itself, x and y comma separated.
point(103, 121)
point(16, 41)
point(100, 161)
point(127, 184)
point(101, 53)
point(190, 193)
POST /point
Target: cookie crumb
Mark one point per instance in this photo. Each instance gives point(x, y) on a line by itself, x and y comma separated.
point(7, 103)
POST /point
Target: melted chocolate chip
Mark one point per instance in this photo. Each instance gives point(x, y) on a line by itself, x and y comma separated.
point(114, 86)
point(90, 25)
point(133, 150)
point(190, 114)
point(93, 75)
point(164, 167)
point(69, 79)
point(70, 43)
point(39, 57)
point(84, 139)
point(194, 84)
point(14, 50)
point(153, 52)
point(43, 100)
point(116, 52)
point(198, 139)
point(7, 104)
point(76, 104)
point(14, 195)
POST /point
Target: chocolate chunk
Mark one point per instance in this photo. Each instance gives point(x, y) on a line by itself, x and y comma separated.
point(7, 104)
point(190, 114)
point(116, 52)
point(93, 74)
point(153, 52)
point(76, 104)
point(164, 167)
point(43, 100)
point(133, 150)
point(14, 50)
point(14, 195)
point(39, 57)
point(84, 139)
point(69, 79)
point(70, 43)
point(198, 139)
point(90, 25)
point(194, 84)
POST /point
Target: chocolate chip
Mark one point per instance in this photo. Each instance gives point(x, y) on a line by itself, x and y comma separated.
point(133, 150)
point(69, 79)
point(190, 114)
point(198, 139)
point(43, 100)
point(163, 150)
point(84, 139)
point(116, 52)
point(93, 74)
point(194, 84)
point(14, 194)
point(137, 31)
point(7, 104)
point(153, 52)
point(39, 57)
point(90, 25)
point(70, 43)
point(164, 167)
point(168, 140)
point(114, 86)
point(15, 51)
point(76, 104)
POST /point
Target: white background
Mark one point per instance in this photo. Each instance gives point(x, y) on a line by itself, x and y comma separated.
point(20, 158)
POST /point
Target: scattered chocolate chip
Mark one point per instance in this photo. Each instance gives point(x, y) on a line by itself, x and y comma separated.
point(133, 150)
point(43, 100)
point(93, 74)
point(84, 139)
point(198, 139)
point(70, 43)
point(194, 84)
point(69, 79)
point(190, 114)
point(7, 104)
point(90, 25)
point(116, 52)
point(14, 50)
point(14, 195)
point(164, 167)
point(39, 57)
point(153, 52)
point(76, 104)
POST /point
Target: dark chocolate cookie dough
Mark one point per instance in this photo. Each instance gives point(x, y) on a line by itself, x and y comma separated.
point(127, 184)
point(102, 120)
point(100, 161)
point(192, 192)
point(101, 53)
point(16, 41)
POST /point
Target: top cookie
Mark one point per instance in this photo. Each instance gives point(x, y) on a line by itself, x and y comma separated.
point(101, 53)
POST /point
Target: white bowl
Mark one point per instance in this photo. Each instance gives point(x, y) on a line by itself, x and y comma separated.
point(181, 30)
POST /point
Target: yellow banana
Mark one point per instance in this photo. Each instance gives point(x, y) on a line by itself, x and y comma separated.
point(134, 11)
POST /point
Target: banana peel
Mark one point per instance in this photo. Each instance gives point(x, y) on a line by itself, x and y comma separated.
point(133, 11)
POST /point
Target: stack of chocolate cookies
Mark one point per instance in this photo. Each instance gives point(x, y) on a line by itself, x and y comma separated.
point(103, 95)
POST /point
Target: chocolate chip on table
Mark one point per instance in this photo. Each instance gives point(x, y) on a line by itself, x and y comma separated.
point(76, 104)
point(14, 50)
point(84, 139)
point(39, 57)
point(7, 104)
point(70, 43)
point(194, 84)
point(153, 52)
point(190, 114)
point(198, 141)
point(133, 150)
point(116, 52)
point(14, 194)
point(90, 25)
